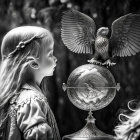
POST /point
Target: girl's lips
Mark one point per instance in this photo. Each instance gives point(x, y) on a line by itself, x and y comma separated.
point(54, 67)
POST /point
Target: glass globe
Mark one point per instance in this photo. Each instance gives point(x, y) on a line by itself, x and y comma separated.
point(91, 87)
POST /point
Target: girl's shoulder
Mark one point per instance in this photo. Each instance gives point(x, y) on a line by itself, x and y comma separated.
point(29, 93)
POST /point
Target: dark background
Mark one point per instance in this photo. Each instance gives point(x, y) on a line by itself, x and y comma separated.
point(47, 13)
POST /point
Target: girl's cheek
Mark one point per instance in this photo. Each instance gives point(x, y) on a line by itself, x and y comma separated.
point(48, 62)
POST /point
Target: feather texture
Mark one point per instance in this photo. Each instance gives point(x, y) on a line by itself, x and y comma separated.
point(78, 31)
point(125, 38)
point(78, 34)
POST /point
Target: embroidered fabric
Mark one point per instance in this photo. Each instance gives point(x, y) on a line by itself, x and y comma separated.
point(50, 117)
point(19, 102)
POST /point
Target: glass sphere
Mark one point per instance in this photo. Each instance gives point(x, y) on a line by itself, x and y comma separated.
point(91, 87)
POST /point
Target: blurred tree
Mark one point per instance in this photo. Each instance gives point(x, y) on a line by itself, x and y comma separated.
point(48, 15)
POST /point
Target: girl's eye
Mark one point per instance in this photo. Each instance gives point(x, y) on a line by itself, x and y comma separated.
point(51, 54)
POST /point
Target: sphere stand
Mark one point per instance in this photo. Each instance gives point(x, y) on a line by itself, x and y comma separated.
point(89, 132)
point(90, 87)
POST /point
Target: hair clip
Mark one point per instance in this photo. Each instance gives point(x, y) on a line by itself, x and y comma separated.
point(134, 102)
point(21, 45)
point(125, 116)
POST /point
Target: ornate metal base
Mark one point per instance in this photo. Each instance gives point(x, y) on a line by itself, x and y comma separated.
point(93, 138)
point(89, 132)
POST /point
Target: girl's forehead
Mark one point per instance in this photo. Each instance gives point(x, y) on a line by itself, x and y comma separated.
point(48, 44)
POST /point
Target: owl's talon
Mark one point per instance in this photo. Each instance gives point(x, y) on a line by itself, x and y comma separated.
point(109, 63)
point(93, 61)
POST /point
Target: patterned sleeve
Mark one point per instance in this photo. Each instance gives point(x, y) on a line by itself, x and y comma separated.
point(31, 120)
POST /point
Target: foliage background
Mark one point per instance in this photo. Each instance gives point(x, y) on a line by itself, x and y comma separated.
point(47, 13)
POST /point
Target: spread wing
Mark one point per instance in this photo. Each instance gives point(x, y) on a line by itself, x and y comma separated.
point(125, 38)
point(78, 31)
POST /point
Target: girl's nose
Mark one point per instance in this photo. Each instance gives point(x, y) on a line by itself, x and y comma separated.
point(55, 59)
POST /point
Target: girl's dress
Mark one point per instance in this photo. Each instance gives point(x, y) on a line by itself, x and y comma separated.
point(30, 117)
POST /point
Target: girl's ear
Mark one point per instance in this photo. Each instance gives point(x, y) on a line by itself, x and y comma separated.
point(34, 64)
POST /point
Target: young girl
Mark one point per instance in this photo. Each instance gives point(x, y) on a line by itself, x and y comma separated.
point(27, 57)
point(129, 129)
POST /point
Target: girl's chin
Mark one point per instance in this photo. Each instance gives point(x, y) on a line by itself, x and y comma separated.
point(51, 74)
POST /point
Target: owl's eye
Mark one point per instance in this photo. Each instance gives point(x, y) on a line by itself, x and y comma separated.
point(104, 31)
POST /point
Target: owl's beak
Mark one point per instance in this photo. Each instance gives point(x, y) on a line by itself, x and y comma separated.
point(106, 31)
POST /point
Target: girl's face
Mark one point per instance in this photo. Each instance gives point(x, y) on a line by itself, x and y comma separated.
point(48, 60)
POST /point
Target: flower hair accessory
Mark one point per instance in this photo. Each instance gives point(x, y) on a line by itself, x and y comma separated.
point(21, 45)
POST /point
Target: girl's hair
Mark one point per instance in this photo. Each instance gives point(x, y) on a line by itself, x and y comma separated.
point(19, 47)
point(129, 129)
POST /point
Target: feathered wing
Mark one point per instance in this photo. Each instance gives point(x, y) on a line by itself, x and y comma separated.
point(125, 38)
point(78, 31)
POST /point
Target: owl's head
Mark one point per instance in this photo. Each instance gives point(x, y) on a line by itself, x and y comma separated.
point(103, 31)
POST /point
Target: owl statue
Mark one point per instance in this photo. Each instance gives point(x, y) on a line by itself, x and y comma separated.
point(79, 34)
